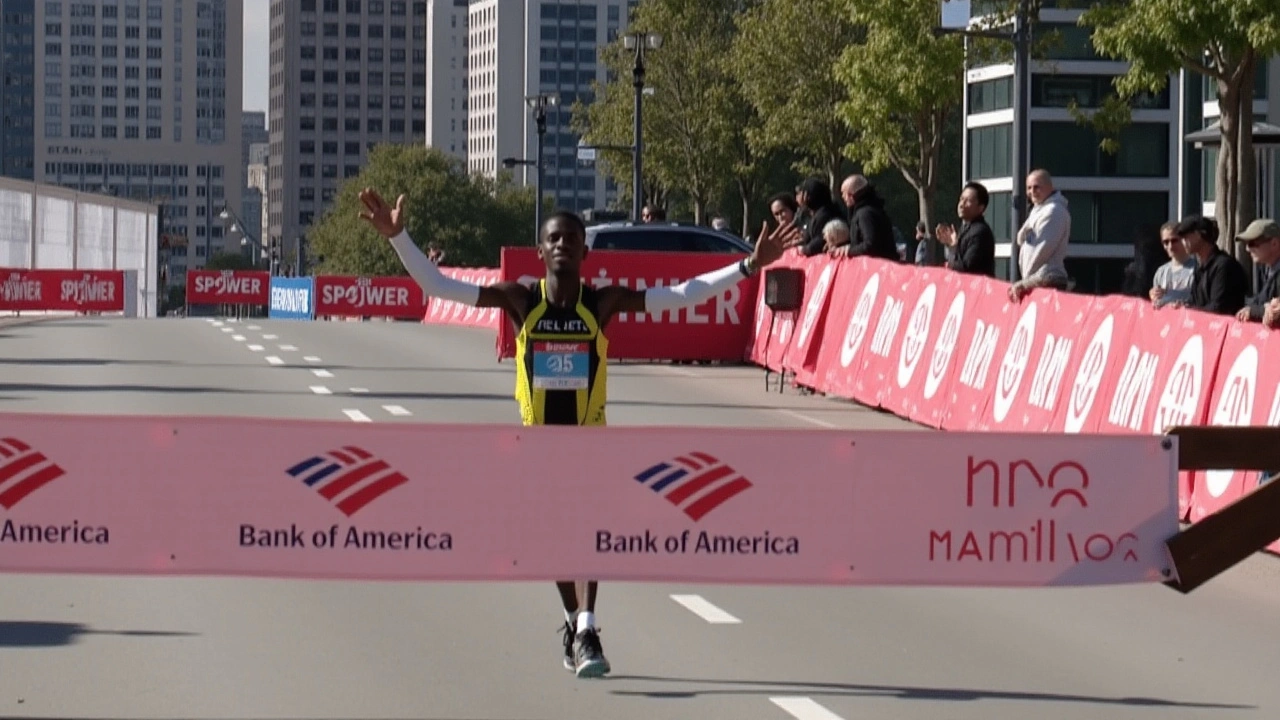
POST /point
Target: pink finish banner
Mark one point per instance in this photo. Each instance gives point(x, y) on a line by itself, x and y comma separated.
point(327, 500)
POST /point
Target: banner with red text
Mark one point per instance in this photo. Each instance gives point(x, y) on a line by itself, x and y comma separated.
point(395, 501)
point(448, 312)
point(228, 287)
point(718, 329)
point(984, 340)
point(349, 296)
point(62, 290)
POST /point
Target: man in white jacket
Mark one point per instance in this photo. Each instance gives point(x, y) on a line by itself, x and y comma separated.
point(1042, 239)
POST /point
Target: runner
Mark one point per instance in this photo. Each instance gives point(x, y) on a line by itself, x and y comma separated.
point(567, 386)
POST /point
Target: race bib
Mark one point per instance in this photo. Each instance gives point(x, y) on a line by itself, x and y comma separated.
point(560, 366)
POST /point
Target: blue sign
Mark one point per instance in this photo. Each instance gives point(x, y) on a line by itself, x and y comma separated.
point(292, 298)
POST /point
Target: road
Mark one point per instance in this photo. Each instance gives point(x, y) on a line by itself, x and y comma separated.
point(84, 647)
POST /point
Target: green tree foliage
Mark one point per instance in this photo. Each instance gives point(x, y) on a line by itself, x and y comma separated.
point(904, 86)
point(1222, 40)
point(470, 216)
point(784, 58)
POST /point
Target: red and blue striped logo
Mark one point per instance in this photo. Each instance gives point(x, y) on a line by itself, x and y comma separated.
point(23, 470)
point(349, 477)
point(696, 483)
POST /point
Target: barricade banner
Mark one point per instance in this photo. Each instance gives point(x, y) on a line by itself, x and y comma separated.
point(1031, 379)
point(229, 287)
point(292, 298)
point(802, 354)
point(921, 387)
point(448, 312)
point(389, 297)
point(856, 297)
point(1105, 336)
point(984, 339)
point(878, 361)
point(773, 330)
point(331, 500)
point(62, 290)
point(719, 329)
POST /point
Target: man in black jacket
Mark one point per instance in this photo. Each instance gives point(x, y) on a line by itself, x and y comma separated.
point(1220, 282)
point(870, 230)
point(1262, 238)
point(973, 249)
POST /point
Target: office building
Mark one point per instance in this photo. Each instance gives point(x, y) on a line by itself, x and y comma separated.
point(525, 48)
point(447, 58)
point(345, 76)
point(17, 88)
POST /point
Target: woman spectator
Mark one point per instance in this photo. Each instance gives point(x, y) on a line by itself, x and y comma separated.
point(817, 200)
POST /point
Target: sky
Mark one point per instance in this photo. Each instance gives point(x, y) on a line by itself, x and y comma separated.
point(257, 54)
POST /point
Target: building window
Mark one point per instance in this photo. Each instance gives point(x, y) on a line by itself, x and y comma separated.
point(989, 149)
point(1115, 217)
point(1087, 91)
point(990, 95)
point(1070, 149)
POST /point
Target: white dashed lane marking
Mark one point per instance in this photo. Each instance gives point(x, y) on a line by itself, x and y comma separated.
point(256, 348)
point(699, 606)
point(321, 390)
point(309, 358)
point(359, 390)
point(806, 418)
point(396, 410)
point(322, 373)
point(288, 348)
point(270, 337)
point(274, 360)
point(803, 708)
point(238, 338)
point(357, 416)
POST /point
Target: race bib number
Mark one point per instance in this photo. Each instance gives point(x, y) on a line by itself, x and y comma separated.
point(560, 366)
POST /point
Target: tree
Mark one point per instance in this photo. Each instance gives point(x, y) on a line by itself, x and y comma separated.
point(470, 216)
point(785, 61)
point(689, 126)
point(904, 85)
point(228, 261)
point(1222, 40)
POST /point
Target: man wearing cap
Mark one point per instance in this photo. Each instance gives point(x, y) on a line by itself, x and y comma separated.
point(1262, 238)
point(1220, 283)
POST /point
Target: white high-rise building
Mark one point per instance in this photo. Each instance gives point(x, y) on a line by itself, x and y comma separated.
point(525, 48)
point(447, 76)
point(142, 99)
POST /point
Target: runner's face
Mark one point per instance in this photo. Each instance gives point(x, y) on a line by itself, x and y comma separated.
point(562, 246)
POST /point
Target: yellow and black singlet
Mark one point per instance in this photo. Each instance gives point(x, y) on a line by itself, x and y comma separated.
point(561, 358)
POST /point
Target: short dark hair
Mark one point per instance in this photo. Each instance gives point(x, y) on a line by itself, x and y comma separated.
point(980, 190)
point(1207, 227)
point(567, 215)
point(787, 199)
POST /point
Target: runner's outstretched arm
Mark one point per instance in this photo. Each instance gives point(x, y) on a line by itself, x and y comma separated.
point(769, 247)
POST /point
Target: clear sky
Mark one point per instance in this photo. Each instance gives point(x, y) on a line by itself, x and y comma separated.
point(257, 53)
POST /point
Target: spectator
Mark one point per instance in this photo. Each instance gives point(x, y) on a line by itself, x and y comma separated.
point(1172, 283)
point(652, 214)
point(1262, 238)
point(836, 233)
point(870, 230)
point(1271, 315)
point(973, 249)
point(1220, 282)
point(815, 197)
point(784, 209)
point(1042, 240)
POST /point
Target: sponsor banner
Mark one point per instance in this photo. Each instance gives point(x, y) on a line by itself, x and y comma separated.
point(330, 500)
point(773, 331)
point(391, 297)
point(1032, 378)
point(1105, 334)
point(718, 329)
point(802, 354)
point(230, 287)
point(984, 341)
point(856, 298)
point(926, 389)
point(879, 360)
point(447, 312)
point(292, 298)
point(62, 290)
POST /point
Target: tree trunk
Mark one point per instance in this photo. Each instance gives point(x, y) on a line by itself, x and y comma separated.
point(1246, 166)
point(745, 190)
point(1226, 173)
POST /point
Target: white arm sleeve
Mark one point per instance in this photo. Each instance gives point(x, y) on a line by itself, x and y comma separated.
point(692, 292)
point(434, 283)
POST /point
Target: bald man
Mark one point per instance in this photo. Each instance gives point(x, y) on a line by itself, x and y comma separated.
point(1042, 240)
point(870, 230)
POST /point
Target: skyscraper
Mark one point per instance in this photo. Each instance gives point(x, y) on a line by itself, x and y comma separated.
point(17, 89)
point(447, 58)
point(345, 75)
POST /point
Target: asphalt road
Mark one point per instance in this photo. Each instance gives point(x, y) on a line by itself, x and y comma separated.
point(82, 647)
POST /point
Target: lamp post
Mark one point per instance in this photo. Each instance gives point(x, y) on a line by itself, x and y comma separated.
point(639, 41)
point(229, 216)
point(1021, 39)
point(539, 104)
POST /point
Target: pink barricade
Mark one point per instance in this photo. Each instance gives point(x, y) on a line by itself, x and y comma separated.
point(447, 312)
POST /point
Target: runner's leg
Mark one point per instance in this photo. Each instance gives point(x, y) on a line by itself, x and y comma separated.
point(569, 598)
point(588, 654)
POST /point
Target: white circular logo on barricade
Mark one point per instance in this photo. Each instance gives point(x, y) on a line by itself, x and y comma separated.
point(1235, 407)
point(1181, 393)
point(784, 329)
point(815, 303)
point(944, 349)
point(917, 335)
point(1014, 364)
point(761, 307)
point(1089, 376)
point(860, 320)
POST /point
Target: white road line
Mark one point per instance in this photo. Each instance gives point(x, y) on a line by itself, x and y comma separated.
point(357, 416)
point(680, 371)
point(806, 418)
point(322, 373)
point(238, 338)
point(216, 323)
point(256, 348)
point(288, 348)
point(396, 410)
point(803, 708)
point(274, 360)
point(254, 327)
point(311, 358)
point(227, 329)
point(359, 390)
point(270, 337)
point(698, 605)
point(321, 390)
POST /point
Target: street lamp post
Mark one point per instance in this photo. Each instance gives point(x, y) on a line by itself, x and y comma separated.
point(638, 42)
point(229, 216)
point(539, 104)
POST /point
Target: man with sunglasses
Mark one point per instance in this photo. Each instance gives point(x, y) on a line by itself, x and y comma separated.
point(1172, 283)
point(1220, 283)
point(1262, 238)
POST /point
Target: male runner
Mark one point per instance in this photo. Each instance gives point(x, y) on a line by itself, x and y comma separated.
point(567, 386)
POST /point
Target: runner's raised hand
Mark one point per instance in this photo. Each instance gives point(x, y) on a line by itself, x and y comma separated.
point(770, 245)
point(388, 221)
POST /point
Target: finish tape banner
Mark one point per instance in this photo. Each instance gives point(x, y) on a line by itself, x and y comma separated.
point(718, 329)
point(229, 287)
point(62, 290)
point(329, 500)
point(391, 297)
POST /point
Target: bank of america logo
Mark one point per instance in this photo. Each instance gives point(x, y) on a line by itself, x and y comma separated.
point(348, 477)
point(23, 470)
point(696, 483)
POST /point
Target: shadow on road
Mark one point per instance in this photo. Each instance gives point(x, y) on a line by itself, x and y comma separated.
point(21, 633)
point(901, 692)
